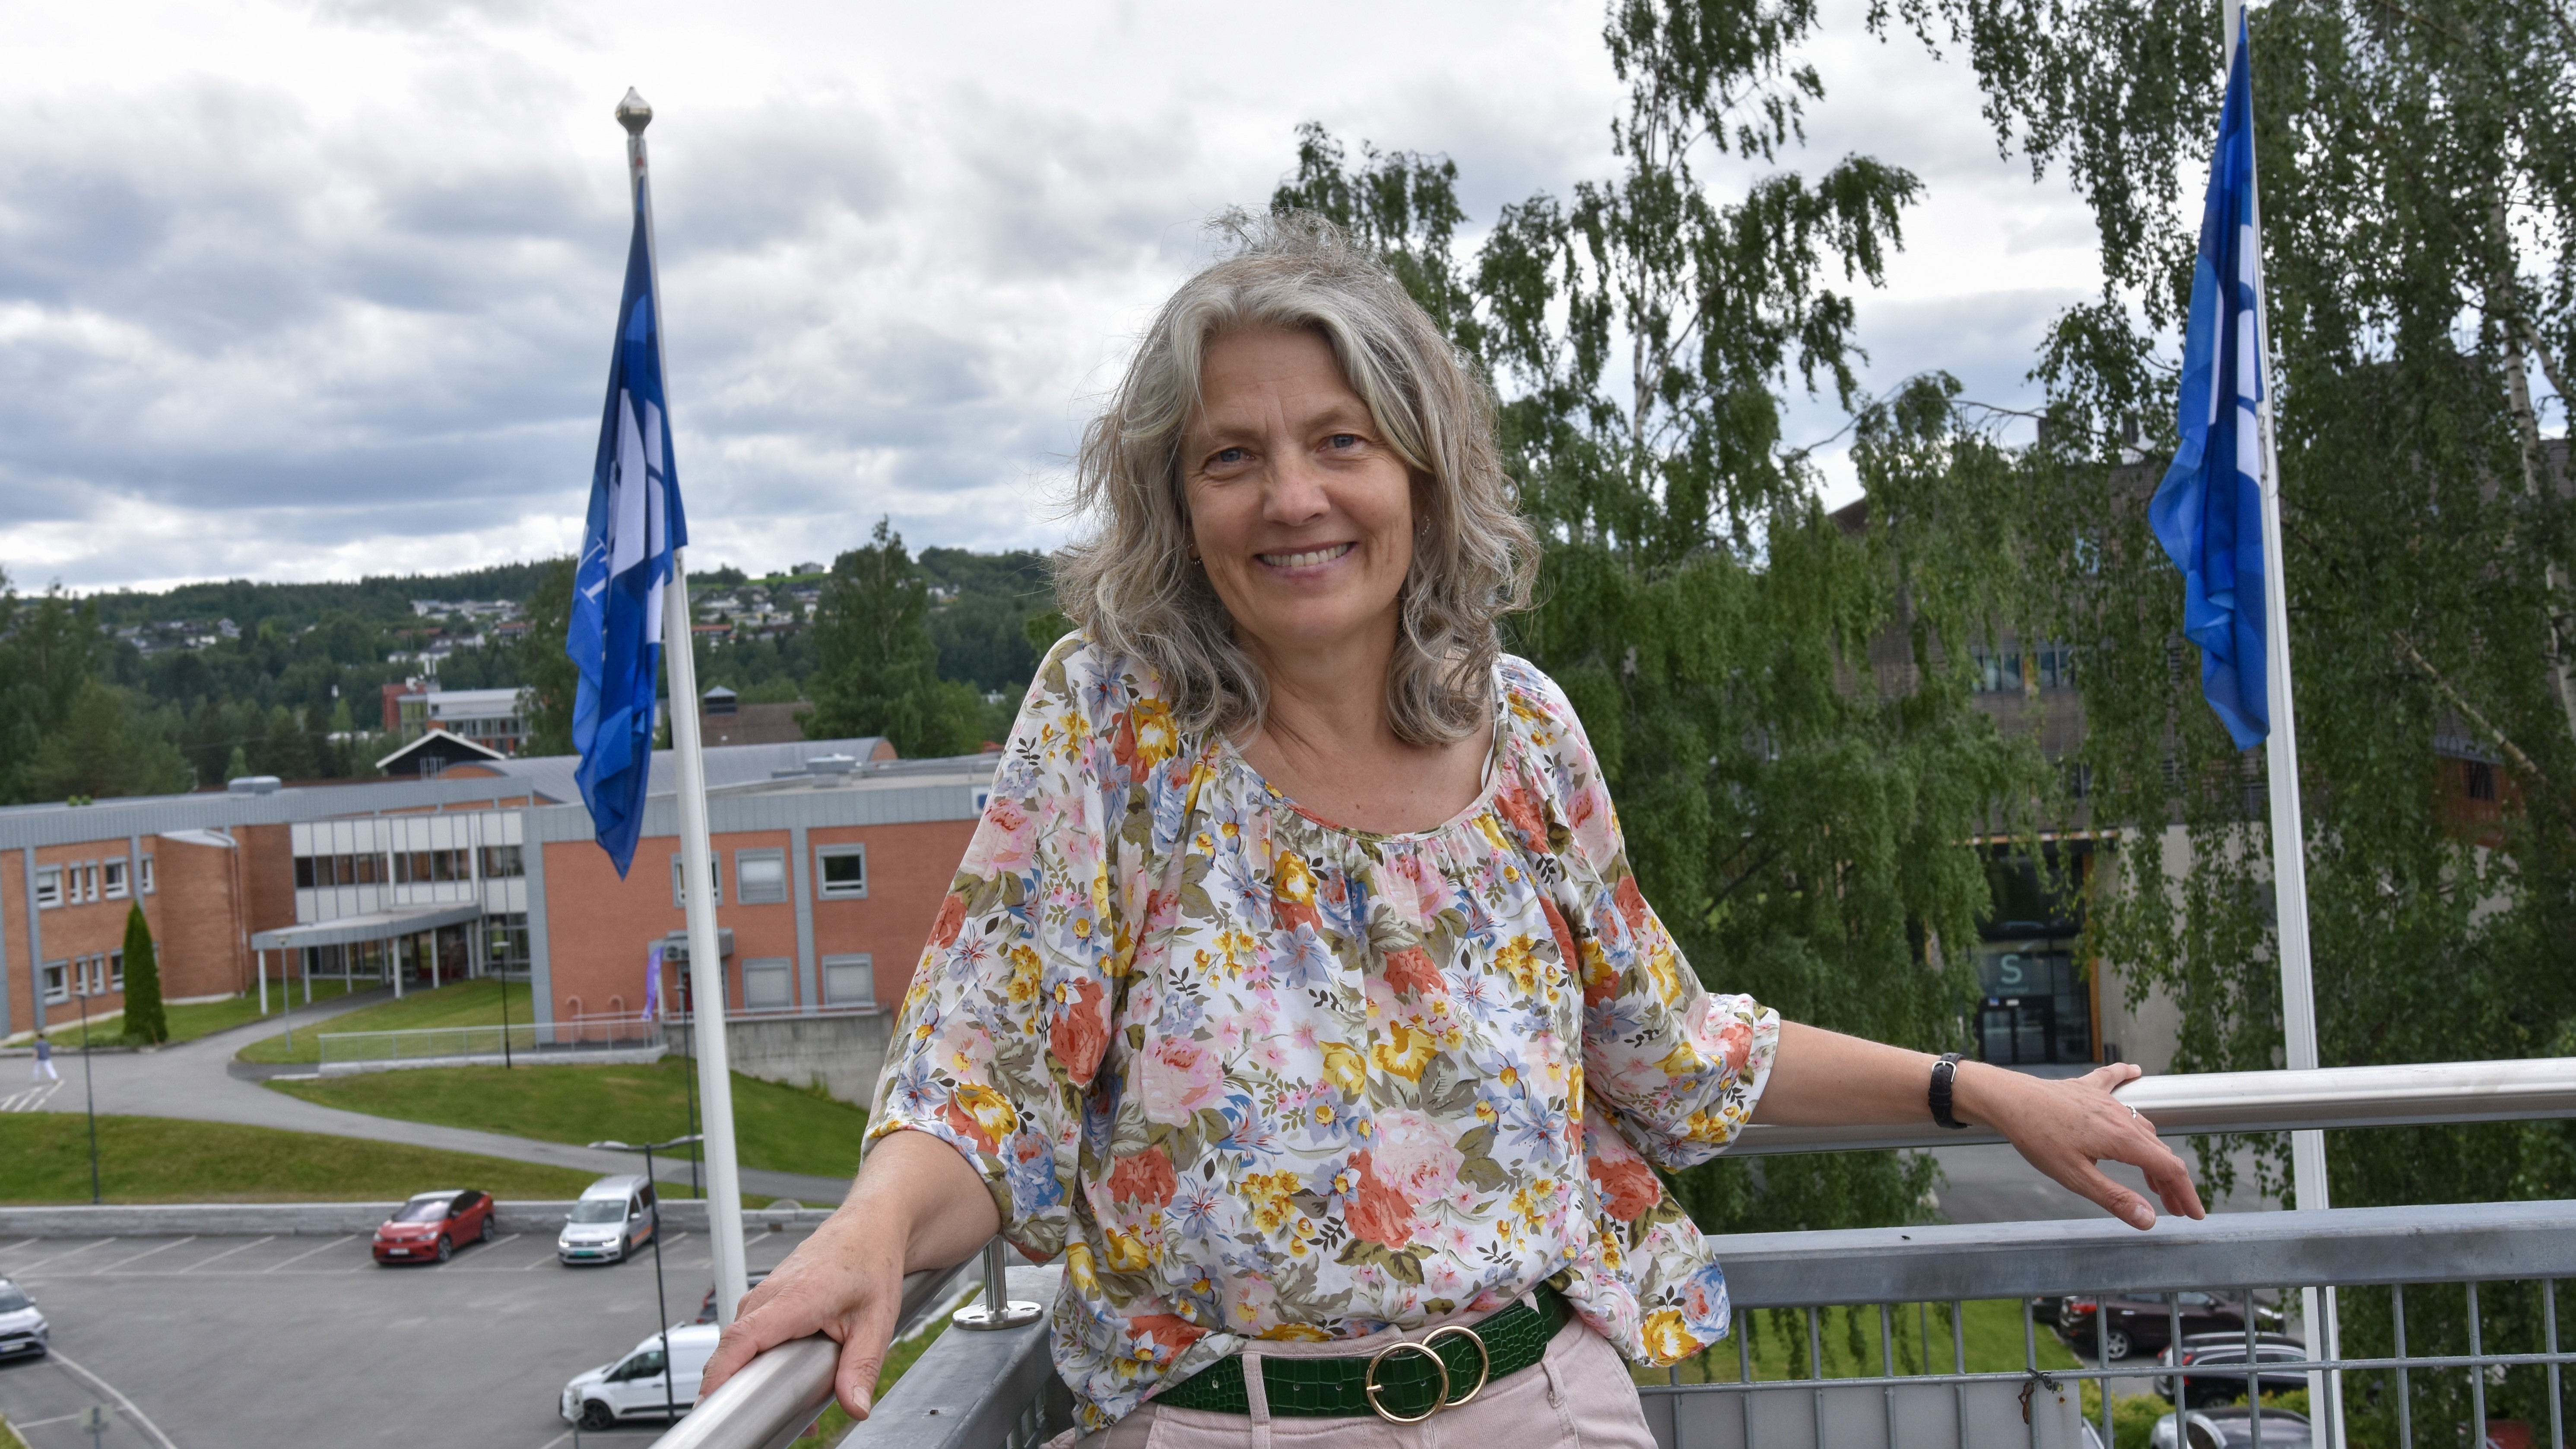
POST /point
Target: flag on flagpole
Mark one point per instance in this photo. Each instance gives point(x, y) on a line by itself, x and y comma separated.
point(2208, 511)
point(635, 522)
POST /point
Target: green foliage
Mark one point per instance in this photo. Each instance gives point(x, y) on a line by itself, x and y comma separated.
point(144, 1018)
point(879, 669)
point(1800, 805)
point(544, 669)
point(2418, 166)
point(981, 628)
point(108, 743)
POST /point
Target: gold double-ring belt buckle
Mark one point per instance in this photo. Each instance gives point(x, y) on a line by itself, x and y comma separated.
point(1484, 1360)
point(1369, 1383)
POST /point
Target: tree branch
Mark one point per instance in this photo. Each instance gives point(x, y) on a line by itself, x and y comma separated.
point(2407, 651)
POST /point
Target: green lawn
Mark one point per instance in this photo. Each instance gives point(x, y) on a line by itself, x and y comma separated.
point(164, 1159)
point(785, 1129)
point(196, 1018)
point(467, 1003)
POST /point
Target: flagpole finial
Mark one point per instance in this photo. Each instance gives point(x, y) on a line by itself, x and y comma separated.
point(634, 113)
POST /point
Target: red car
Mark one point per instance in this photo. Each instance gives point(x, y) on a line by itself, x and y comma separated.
point(431, 1225)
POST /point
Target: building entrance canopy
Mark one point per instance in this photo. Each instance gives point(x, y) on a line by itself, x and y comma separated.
point(373, 926)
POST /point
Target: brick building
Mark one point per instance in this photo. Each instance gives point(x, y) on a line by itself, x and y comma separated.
point(831, 858)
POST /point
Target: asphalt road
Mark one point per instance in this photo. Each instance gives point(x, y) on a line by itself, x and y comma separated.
point(253, 1343)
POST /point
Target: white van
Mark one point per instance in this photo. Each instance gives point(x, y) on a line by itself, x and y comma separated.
point(632, 1387)
point(613, 1218)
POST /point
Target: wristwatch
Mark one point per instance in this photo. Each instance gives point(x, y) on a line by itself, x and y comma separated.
point(1942, 1071)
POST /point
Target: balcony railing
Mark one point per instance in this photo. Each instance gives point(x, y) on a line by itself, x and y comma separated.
point(1902, 1294)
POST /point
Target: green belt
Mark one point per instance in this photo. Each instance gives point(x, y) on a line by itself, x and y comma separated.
point(1402, 1383)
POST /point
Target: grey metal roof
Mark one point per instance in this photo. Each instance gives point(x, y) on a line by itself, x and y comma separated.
point(727, 765)
point(116, 819)
point(373, 926)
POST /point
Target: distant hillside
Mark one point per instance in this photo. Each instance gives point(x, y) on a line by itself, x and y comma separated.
point(385, 599)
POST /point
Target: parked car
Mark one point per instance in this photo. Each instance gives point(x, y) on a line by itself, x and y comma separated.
point(22, 1328)
point(2142, 1322)
point(433, 1224)
point(707, 1307)
point(2231, 1428)
point(632, 1387)
point(613, 1219)
point(2222, 1352)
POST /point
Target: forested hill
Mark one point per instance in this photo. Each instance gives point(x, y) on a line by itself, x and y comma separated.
point(132, 692)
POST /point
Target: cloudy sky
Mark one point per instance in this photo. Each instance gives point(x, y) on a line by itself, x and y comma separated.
point(311, 290)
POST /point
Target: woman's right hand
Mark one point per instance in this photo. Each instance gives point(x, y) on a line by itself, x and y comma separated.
point(916, 1204)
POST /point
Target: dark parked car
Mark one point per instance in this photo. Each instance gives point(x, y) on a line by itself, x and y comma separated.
point(2223, 1356)
point(433, 1225)
point(2143, 1322)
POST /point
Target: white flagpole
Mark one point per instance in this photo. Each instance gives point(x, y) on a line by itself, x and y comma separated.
point(697, 854)
point(2289, 835)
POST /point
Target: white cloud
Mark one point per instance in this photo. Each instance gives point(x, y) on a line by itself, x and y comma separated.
point(291, 291)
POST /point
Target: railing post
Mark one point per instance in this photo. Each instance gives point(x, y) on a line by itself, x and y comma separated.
point(999, 1309)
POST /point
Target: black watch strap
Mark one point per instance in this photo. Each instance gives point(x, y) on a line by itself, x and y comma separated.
point(1942, 1072)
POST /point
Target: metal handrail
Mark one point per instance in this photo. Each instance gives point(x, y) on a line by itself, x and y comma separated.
point(777, 1396)
point(794, 1379)
point(2200, 1103)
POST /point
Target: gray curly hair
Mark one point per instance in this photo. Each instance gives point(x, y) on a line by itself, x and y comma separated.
point(1132, 585)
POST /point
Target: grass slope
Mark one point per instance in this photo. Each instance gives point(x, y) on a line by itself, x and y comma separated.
point(192, 1020)
point(784, 1129)
point(467, 1003)
point(164, 1159)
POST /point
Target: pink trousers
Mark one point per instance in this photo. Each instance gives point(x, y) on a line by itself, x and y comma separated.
point(1578, 1397)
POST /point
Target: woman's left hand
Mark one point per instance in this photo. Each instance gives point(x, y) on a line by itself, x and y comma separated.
point(2065, 1128)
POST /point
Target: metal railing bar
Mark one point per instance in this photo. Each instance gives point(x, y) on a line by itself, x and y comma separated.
point(2549, 1307)
point(2346, 1246)
point(2276, 1369)
point(2198, 1103)
point(1887, 1365)
point(2253, 1367)
point(2405, 1394)
point(1816, 1365)
point(2477, 1375)
point(778, 1396)
point(1959, 1357)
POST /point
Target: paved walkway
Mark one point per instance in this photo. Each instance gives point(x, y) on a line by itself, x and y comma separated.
point(191, 1080)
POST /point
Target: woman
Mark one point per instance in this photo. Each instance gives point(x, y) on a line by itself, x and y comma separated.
point(1295, 988)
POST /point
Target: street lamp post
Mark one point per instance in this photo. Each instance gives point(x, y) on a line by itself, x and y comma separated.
point(89, 1089)
point(661, 1298)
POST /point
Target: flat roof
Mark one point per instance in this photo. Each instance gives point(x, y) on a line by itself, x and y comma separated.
point(373, 926)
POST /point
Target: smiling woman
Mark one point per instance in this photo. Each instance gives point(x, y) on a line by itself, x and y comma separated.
point(1295, 988)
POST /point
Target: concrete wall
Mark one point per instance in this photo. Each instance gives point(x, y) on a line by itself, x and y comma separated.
point(328, 1219)
point(844, 1053)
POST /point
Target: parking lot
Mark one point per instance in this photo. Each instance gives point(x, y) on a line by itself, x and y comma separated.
point(258, 1342)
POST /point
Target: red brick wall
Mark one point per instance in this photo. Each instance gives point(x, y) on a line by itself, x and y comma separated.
point(70, 931)
point(909, 868)
point(599, 928)
point(196, 922)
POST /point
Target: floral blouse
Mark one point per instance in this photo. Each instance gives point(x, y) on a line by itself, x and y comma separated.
point(1257, 1076)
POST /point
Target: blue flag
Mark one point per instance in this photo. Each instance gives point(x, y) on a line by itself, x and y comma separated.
point(635, 523)
point(2208, 511)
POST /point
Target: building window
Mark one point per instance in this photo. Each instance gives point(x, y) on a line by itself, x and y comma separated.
point(849, 981)
point(2481, 782)
point(112, 876)
point(58, 983)
point(760, 877)
point(424, 867)
point(49, 887)
point(505, 940)
point(715, 879)
point(146, 864)
point(503, 862)
point(116, 971)
point(843, 871)
point(767, 985)
point(89, 882)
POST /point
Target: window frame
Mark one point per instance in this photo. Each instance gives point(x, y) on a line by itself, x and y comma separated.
point(112, 878)
point(742, 891)
point(49, 887)
point(780, 969)
point(679, 880)
point(53, 982)
point(865, 961)
point(143, 873)
point(824, 890)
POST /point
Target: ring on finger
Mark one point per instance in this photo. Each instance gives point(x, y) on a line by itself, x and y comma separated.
point(2134, 1112)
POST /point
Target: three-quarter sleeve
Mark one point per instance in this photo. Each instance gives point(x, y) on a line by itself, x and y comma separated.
point(1006, 1022)
point(1679, 1067)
